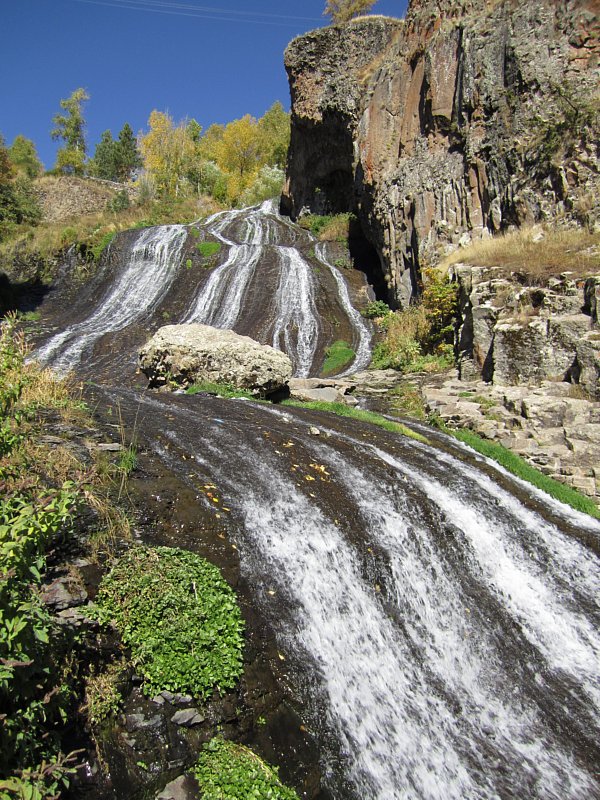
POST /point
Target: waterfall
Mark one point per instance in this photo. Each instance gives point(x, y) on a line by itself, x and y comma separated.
point(446, 635)
point(137, 290)
point(262, 235)
point(296, 327)
point(362, 335)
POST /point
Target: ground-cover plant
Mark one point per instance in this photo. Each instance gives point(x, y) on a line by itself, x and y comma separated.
point(220, 389)
point(376, 309)
point(178, 616)
point(339, 355)
point(228, 771)
point(342, 410)
point(519, 467)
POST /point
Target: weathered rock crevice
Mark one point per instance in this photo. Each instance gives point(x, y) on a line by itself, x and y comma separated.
point(450, 125)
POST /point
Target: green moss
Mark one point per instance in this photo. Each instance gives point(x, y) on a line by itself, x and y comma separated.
point(342, 410)
point(179, 617)
point(338, 356)
point(519, 467)
point(208, 249)
point(100, 246)
point(228, 771)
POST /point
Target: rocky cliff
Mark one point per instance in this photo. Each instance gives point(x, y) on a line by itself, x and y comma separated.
point(457, 122)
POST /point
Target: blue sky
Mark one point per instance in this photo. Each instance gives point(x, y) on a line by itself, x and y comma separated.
point(214, 61)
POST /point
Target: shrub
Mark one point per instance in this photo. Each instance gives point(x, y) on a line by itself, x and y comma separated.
point(179, 617)
point(376, 309)
point(232, 771)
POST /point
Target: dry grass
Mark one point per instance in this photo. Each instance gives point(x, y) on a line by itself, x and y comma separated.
point(568, 250)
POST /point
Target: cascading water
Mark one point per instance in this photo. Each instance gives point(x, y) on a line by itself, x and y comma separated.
point(295, 324)
point(134, 294)
point(441, 625)
point(446, 634)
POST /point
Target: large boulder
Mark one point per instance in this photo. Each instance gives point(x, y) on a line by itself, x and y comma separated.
point(186, 354)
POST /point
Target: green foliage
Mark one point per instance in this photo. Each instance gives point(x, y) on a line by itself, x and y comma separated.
point(127, 460)
point(519, 467)
point(342, 410)
point(419, 338)
point(338, 356)
point(344, 10)
point(116, 160)
point(18, 203)
point(328, 228)
point(70, 127)
point(219, 389)
point(103, 696)
point(267, 185)
point(228, 771)
point(376, 309)
point(208, 249)
point(179, 617)
point(33, 695)
point(24, 158)
point(100, 246)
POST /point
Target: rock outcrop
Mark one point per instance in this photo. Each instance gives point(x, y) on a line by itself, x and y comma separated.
point(181, 355)
point(458, 122)
point(511, 334)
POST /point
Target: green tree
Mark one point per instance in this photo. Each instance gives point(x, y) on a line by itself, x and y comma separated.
point(129, 159)
point(345, 10)
point(70, 127)
point(24, 158)
point(104, 163)
point(18, 202)
point(274, 132)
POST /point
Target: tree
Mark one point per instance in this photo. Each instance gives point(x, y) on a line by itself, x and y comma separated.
point(345, 10)
point(24, 158)
point(70, 127)
point(104, 163)
point(18, 203)
point(168, 151)
point(129, 159)
point(274, 130)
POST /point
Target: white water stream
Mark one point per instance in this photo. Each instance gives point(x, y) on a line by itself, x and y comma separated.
point(136, 291)
point(454, 649)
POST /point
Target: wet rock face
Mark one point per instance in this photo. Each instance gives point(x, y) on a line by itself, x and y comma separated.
point(438, 126)
point(187, 354)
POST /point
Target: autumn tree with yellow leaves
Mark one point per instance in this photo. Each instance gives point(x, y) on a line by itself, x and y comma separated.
point(168, 151)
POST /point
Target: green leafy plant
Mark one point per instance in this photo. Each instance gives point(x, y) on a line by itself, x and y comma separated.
point(219, 389)
point(229, 771)
point(179, 617)
point(376, 309)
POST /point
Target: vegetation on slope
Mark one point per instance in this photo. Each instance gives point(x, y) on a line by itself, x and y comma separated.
point(179, 617)
point(228, 771)
point(42, 488)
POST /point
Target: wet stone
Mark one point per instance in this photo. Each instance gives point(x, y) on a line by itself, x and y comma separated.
point(182, 788)
point(187, 718)
point(136, 722)
point(59, 595)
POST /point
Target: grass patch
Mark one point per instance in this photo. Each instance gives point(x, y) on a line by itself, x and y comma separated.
point(230, 771)
point(219, 389)
point(519, 467)
point(407, 399)
point(342, 410)
point(208, 249)
point(179, 617)
point(570, 250)
point(338, 356)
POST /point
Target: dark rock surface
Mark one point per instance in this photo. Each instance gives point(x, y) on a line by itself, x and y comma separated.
point(450, 125)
